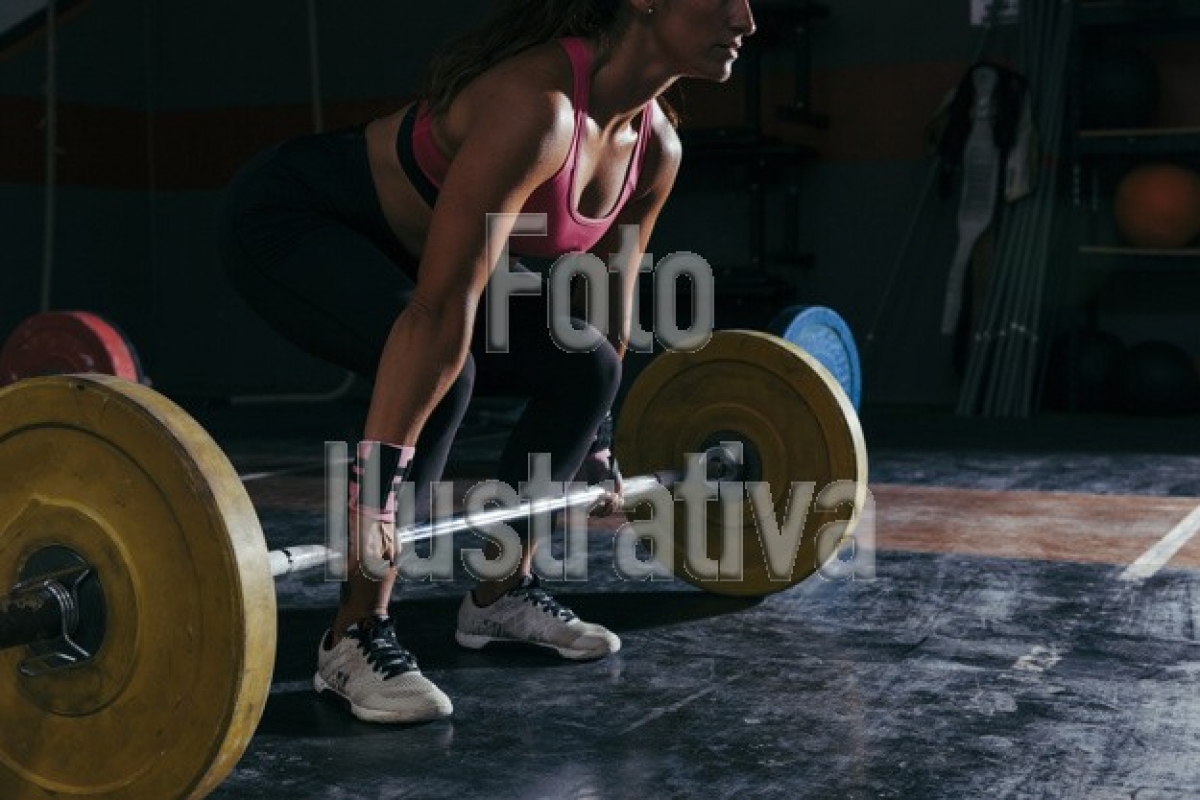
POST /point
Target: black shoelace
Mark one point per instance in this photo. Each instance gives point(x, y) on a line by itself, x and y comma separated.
point(530, 589)
point(385, 655)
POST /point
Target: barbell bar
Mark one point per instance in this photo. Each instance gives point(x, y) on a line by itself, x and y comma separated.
point(721, 462)
point(37, 612)
point(138, 516)
point(314, 556)
point(48, 607)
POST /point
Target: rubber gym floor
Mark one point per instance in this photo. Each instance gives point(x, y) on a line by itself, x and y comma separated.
point(1032, 631)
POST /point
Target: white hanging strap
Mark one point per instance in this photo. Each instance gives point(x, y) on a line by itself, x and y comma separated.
point(981, 176)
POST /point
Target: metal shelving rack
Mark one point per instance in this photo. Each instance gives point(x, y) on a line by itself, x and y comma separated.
point(1099, 155)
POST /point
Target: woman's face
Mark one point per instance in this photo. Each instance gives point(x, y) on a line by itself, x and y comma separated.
point(702, 37)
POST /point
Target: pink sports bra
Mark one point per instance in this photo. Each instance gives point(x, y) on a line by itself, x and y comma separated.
point(567, 230)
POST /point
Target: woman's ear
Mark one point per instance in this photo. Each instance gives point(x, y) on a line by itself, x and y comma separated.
point(643, 8)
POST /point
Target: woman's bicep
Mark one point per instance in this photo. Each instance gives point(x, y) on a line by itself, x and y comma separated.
point(499, 163)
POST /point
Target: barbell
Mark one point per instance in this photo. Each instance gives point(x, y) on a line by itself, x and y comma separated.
point(54, 342)
point(137, 641)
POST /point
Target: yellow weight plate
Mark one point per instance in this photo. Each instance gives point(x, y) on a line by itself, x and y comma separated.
point(125, 478)
point(797, 425)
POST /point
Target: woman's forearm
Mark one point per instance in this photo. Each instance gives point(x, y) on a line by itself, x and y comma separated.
point(423, 355)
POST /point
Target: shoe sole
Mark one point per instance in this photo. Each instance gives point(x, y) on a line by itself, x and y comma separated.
point(371, 714)
point(473, 641)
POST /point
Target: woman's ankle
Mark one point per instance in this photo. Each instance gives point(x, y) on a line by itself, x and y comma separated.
point(487, 592)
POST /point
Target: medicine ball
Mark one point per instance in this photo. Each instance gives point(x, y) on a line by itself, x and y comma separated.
point(1119, 86)
point(1159, 378)
point(1158, 205)
point(1084, 370)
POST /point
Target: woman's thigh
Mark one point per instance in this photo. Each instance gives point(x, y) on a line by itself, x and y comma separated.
point(304, 243)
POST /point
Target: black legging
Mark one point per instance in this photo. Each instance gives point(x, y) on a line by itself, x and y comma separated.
point(304, 241)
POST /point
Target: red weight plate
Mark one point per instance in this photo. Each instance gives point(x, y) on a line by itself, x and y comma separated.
point(61, 342)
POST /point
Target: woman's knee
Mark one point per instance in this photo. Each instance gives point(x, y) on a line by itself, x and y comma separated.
point(458, 396)
point(596, 371)
point(608, 365)
point(443, 423)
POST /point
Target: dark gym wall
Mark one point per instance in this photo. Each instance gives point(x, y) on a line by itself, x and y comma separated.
point(159, 100)
point(102, 251)
point(881, 70)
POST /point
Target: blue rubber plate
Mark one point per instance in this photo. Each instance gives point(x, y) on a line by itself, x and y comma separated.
point(824, 335)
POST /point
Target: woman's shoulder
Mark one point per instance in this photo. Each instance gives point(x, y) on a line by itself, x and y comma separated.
point(526, 98)
point(533, 87)
point(541, 73)
point(665, 145)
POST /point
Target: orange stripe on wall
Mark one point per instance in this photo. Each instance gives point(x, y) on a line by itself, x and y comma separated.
point(192, 150)
point(203, 149)
point(97, 146)
point(876, 112)
point(881, 112)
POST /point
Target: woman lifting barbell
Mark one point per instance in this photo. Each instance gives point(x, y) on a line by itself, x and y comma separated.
point(368, 247)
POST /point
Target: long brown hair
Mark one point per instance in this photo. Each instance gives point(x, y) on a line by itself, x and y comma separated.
point(515, 26)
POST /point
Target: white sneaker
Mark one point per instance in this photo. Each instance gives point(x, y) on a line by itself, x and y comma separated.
point(378, 678)
point(527, 614)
